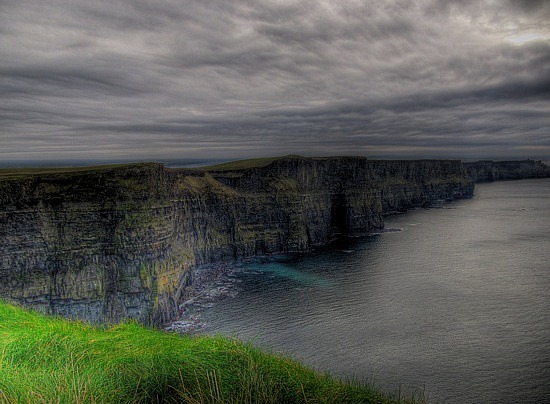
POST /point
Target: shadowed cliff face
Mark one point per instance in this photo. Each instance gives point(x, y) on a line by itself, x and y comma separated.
point(110, 243)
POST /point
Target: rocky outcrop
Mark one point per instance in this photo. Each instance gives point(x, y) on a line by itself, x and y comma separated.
point(110, 243)
point(489, 171)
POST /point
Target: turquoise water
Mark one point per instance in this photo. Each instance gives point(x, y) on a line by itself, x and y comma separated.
point(455, 301)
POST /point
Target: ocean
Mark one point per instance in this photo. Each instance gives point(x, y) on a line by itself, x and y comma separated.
point(450, 302)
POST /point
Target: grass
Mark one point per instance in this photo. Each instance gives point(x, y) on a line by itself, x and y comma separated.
point(242, 164)
point(12, 173)
point(263, 162)
point(51, 360)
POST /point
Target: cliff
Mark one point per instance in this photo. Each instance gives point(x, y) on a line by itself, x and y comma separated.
point(115, 242)
point(489, 171)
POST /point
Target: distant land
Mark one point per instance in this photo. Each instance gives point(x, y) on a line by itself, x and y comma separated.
point(488, 170)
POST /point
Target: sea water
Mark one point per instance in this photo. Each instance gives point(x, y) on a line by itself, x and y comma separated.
point(452, 301)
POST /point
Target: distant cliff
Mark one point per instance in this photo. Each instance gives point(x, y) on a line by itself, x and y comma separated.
point(489, 171)
point(115, 242)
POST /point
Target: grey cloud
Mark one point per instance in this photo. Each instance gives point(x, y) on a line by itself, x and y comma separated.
point(134, 16)
point(64, 79)
point(169, 78)
point(431, 117)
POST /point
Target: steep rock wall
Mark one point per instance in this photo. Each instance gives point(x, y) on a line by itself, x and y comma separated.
point(110, 243)
point(489, 171)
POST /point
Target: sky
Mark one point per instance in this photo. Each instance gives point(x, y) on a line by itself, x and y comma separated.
point(219, 79)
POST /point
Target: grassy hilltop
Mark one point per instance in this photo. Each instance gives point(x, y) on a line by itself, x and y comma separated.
point(45, 359)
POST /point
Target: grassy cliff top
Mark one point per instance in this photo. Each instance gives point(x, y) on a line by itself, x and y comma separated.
point(237, 165)
point(45, 359)
point(263, 162)
point(244, 164)
point(17, 173)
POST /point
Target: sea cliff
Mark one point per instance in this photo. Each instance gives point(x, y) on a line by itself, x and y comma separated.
point(110, 243)
point(489, 170)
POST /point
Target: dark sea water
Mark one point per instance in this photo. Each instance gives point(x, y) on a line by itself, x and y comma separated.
point(455, 300)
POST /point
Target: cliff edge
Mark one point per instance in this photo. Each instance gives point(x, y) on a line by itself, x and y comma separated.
point(116, 242)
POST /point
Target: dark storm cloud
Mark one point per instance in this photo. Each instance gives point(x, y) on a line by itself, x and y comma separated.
point(530, 6)
point(481, 115)
point(242, 78)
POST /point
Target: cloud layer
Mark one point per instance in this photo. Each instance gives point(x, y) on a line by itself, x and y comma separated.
point(218, 79)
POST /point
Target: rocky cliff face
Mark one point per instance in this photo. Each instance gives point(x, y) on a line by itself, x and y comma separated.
point(489, 171)
point(110, 243)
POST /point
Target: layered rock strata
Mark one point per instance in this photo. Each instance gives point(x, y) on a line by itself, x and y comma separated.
point(106, 244)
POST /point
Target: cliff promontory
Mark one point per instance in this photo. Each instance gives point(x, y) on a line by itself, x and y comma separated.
point(114, 242)
point(489, 170)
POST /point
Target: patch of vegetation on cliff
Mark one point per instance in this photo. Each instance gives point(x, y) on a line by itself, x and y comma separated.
point(202, 184)
point(285, 184)
point(45, 359)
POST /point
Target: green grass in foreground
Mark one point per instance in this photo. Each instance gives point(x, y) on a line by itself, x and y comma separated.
point(45, 359)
